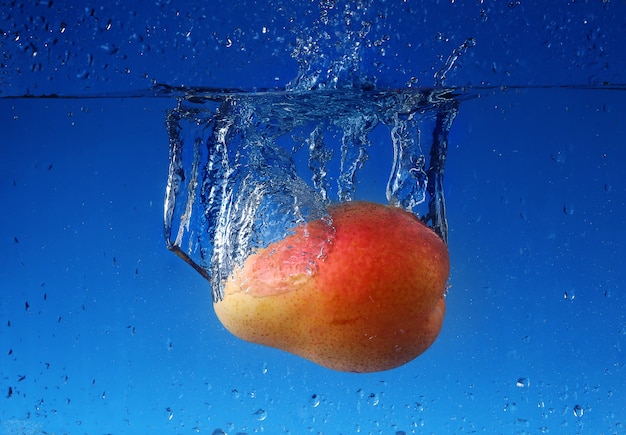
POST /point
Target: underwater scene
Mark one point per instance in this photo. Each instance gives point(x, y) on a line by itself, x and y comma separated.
point(326, 217)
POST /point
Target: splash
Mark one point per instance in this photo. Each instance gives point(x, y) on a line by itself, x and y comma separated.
point(329, 54)
point(247, 168)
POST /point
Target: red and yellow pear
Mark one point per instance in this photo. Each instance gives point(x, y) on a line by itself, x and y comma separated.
point(374, 301)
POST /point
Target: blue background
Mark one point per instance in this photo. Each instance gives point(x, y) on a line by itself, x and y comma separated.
point(119, 335)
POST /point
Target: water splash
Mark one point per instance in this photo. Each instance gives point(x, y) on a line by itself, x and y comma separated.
point(319, 156)
point(407, 182)
point(238, 180)
point(442, 74)
point(330, 52)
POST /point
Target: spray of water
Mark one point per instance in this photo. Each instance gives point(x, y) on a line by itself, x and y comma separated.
point(237, 180)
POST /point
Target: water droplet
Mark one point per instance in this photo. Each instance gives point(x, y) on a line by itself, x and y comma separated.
point(578, 411)
point(225, 42)
point(522, 383)
point(314, 401)
point(260, 414)
point(373, 400)
point(109, 48)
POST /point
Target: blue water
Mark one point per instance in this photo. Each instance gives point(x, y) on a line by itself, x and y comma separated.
point(102, 330)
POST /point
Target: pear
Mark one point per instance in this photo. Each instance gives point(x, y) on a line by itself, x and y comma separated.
point(373, 301)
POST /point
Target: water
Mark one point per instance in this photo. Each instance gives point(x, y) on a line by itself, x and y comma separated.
point(126, 329)
point(103, 331)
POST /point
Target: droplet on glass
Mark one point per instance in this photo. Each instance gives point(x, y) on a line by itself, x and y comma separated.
point(314, 401)
point(260, 414)
point(109, 48)
point(578, 411)
point(373, 400)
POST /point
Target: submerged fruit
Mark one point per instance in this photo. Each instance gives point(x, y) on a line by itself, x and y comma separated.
point(375, 301)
